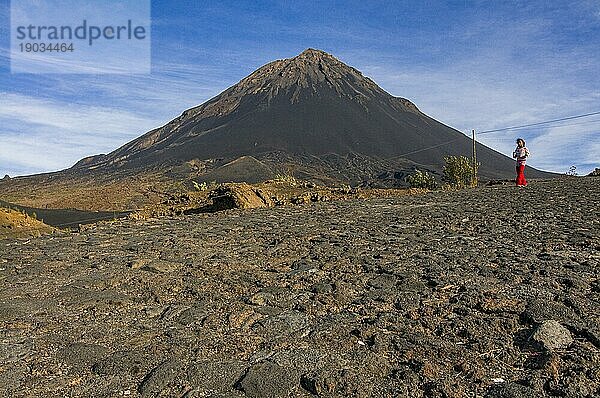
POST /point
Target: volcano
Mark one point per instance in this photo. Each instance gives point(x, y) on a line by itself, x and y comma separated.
point(311, 111)
point(311, 116)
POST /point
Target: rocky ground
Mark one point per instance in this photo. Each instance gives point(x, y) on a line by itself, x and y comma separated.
point(270, 193)
point(487, 292)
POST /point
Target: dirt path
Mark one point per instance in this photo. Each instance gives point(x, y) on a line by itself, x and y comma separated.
point(443, 294)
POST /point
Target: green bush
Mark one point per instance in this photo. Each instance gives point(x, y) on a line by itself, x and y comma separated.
point(421, 180)
point(459, 172)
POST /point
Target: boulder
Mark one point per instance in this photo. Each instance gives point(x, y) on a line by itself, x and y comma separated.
point(510, 390)
point(551, 335)
point(159, 378)
point(267, 379)
point(238, 196)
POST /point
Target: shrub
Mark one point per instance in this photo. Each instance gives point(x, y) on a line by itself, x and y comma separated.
point(459, 172)
point(200, 187)
point(286, 178)
point(421, 180)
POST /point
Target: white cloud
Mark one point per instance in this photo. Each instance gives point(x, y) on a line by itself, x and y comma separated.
point(41, 134)
point(570, 145)
point(72, 117)
point(16, 151)
point(507, 80)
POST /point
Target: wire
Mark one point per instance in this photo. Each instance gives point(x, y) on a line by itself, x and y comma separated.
point(534, 128)
point(419, 150)
point(388, 160)
point(427, 148)
point(538, 123)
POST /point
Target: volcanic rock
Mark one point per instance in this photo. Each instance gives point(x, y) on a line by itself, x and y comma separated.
point(379, 297)
point(238, 196)
point(552, 336)
point(268, 379)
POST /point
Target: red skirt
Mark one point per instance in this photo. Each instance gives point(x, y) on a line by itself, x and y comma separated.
point(521, 175)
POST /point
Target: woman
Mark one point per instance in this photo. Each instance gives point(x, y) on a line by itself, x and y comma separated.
point(520, 154)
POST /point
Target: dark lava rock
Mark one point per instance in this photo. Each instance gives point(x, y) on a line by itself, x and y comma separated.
point(261, 298)
point(11, 377)
point(210, 377)
point(510, 390)
point(80, 355)
point(318, 385)
point(322, 288)
point(538, 311)
point(283, 324)
point(120, 363)
point(308, 198)
point(159, 378)
point(195, 314)
point(269, 380)
point(383, 282)
point(592, 333)
point(161, 266)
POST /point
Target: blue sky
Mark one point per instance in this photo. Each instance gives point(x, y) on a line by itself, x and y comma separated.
point(470, 64)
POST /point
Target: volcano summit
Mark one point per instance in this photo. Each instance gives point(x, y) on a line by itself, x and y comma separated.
point(311, 116)
point(311, 111)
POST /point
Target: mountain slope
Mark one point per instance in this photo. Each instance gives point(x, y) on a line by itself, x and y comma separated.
point(311, 116)
point(312, 104)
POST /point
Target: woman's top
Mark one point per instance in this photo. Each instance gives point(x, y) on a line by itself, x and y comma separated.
point(521, 155)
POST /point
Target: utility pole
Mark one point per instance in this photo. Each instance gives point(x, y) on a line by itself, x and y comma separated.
point(474, 161)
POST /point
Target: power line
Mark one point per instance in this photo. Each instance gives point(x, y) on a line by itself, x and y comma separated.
point(539, 123)
point(577, 123)
point(534, 128)
point(426, 148)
